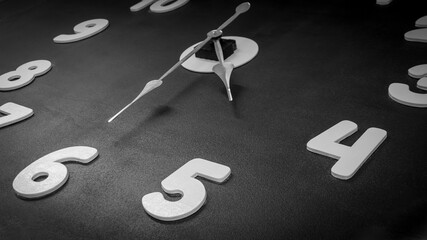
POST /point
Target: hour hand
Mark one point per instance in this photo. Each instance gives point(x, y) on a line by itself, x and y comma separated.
point(222, 69)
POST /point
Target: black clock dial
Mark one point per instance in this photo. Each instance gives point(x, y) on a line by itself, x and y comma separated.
point(319, 62)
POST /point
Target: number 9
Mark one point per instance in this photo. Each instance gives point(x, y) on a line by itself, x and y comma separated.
point(50, 166)
point(83, 30)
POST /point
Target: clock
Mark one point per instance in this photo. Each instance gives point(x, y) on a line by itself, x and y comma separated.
point(258, 164)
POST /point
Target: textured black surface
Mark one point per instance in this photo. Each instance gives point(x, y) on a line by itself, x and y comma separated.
point(320, 62)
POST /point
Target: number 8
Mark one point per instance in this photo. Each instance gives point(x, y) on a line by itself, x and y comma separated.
point(51, 166)
point(24, 74)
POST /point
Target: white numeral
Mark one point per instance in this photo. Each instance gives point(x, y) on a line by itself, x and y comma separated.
point(141, 5)
point(159, 6)
point(400, 92)
point(50, 166)
point(24, 74)
point(83, 30)
point(421, 22)
point(183, 182)
point(383, 2)
point(14, 113)
point(350, 159)
point(418, 35)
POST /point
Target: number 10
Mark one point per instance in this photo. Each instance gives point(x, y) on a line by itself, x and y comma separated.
point(159, 6)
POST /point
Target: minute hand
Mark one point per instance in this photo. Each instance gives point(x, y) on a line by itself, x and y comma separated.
point(243, 7)
point(188, 55)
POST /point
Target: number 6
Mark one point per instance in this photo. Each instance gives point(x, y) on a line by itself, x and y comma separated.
point(51, 166)
point(183, 181)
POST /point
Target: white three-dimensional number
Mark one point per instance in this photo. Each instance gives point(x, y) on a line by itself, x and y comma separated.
point(159, 6)
point(50, 166)
point(350, 159)
point(24, 74)
point(383, 2)
point(183, 182)
point(400, 92)
point(83, 30)
point(14, 113)
point(418, 35)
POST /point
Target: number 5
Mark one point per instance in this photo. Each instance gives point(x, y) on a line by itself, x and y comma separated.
point(183, 181)
point(51, 166)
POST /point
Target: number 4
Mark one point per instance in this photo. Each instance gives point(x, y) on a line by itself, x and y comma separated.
point(350, 159)
point(159, 6)
point(183, 181)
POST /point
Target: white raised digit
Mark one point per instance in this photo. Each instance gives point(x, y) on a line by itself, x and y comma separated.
point(83, 30)
point(383, 2)
point(183, 182)
point(25, 183)
point(350, 159)
point(418, 35)
point(159, 6)
point(14, 113)
point(418, 71)
point(401, 93)
point(24, 74)
point(141, 5)
point(421, 22)
point(422, 84)
point(163, 6)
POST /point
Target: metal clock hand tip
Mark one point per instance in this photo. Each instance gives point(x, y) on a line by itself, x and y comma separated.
point(148, 88)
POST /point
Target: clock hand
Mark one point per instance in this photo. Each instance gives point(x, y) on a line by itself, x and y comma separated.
point(210, 34)
point(148, 87)
point(223, 69)
point(156, 83)
point(241, 8)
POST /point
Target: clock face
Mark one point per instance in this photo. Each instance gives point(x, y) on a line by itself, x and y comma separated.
point(263, 166)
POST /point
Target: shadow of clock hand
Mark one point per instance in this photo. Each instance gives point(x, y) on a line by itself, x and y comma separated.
point(153, 119)
point(148, 122)
point(187, 91)
point(237, 91)
point(201, 80)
